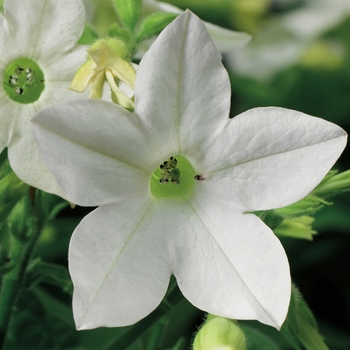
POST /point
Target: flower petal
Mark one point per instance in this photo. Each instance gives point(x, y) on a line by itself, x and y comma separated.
point(194, 95)
point(22, 151)
point(63, 67)
point(117, 266)
point(36, 25)
point(230, 264)
point(267, 158)
point(96, 151)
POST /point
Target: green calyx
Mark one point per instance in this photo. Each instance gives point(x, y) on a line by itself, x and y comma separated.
point(23, 81)
point(174, 178)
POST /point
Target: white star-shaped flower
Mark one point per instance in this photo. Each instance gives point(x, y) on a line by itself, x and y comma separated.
point(38, 59)
point(174, 183)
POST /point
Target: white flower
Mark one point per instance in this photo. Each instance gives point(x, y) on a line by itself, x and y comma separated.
point(190, 218)
point(38, 59)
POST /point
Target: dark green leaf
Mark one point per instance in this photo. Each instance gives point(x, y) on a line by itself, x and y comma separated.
point(300, 327)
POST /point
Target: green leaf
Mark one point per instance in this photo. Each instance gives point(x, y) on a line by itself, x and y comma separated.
point(154, 24)
point(129, 12)
point(257, 340)
point(52, 274)
point(306, 206)
point(12, 189)
point(89, 35)
point(34, 328)
point(300, 327)
point(6, 269)
point(180, 345)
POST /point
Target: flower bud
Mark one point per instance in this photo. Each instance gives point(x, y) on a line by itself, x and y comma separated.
point(219, 333)
point(108, 61)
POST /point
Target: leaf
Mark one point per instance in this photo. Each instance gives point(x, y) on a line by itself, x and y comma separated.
point(154, 24)
point(129, 12)
point(12, 189)
point(257, 340)
point(308, 205)
point(6, 269)
point(89, 35)
point(300, 326)
point(51, 274)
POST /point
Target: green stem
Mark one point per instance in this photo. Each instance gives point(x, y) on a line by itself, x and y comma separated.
point(134, 332)
point(13, 281)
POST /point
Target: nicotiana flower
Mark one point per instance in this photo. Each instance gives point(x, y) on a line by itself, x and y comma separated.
point(38, 58)
point(108, 61)
point(175, 183)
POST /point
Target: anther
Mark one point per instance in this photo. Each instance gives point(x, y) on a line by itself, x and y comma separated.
point(19, 90)
point(19, 70)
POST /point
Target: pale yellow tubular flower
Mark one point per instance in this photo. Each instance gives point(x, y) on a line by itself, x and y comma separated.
point(108, 61)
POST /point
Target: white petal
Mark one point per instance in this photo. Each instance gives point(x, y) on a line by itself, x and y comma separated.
point(269, 157)
point(63, 67)
point(56, 92)
point(182, 90)
point(230, 264)
point(118, 266)
point(23, 154)
point(96, 151)
point(6, 118)
point(40, 27)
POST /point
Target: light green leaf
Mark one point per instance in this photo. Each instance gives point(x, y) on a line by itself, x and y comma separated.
point(129, 12)
point(89, 35)
point(154, 24)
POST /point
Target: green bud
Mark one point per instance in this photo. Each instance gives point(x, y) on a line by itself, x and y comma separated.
point(296, 228)
point(219, 333)
point(333, 184)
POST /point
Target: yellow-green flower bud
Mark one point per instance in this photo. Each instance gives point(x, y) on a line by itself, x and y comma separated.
point(219, 333)
point(108, 60)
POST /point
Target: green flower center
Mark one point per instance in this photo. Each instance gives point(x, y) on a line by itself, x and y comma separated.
point(174, 178)
point(23, 81)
